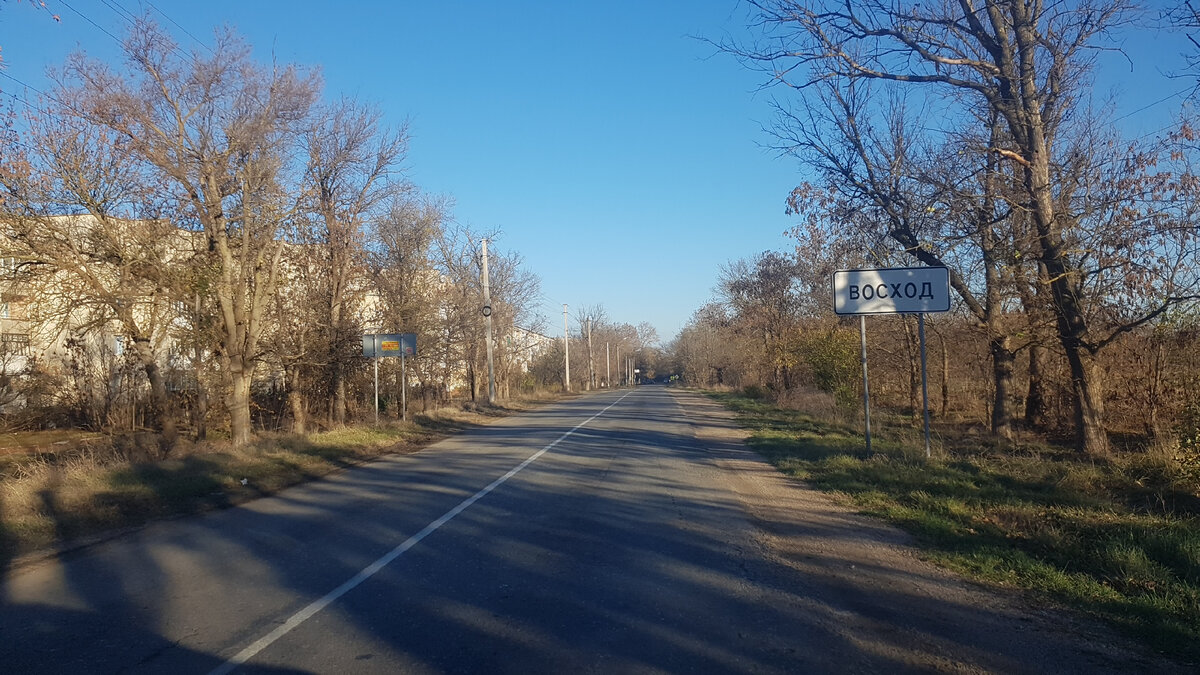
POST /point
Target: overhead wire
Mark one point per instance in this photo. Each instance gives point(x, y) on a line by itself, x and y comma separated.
point(88, 19)
point(1159, 101)
point(26, 85)
point(177, 25)
point(32, 105)
point(121, 12)
point(21, 99)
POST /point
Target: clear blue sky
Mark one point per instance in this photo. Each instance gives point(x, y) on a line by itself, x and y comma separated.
point(618, 155)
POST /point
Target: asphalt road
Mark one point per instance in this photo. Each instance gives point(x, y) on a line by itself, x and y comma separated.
point(615, 532)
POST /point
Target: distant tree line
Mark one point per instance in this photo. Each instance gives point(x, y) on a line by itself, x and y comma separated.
point(601, 352)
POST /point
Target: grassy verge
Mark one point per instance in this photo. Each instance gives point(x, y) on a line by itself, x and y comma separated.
point(1118, 538)
point(55, 498)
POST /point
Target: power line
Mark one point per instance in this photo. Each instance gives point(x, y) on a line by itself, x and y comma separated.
point(176, 24)
point(49, 97)
point(4, 74)
point(85, 17)
point(22, 99)
point(1151, 105)
point(121, 12)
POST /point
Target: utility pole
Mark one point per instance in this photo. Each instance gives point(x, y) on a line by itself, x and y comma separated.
point(591, 368)
point(619, 384)
point(566, 351)
point(607, 368)
point(487, 320)
point(375, 358)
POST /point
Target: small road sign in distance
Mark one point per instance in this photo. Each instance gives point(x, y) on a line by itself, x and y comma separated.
point(891, 290)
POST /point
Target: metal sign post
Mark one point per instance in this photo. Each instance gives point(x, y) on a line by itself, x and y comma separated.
point(375, 359)
point(894, 290)
point(862, 336)
point(381, 345)
point(924, 380)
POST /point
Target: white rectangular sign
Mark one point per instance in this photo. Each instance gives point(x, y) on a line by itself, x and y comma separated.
point(892, 290)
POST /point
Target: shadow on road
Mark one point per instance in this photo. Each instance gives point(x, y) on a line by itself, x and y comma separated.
point(621, 550)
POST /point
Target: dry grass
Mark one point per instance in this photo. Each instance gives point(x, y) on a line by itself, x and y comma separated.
point(97, 484)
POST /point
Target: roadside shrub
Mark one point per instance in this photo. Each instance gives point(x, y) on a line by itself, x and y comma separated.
point(754, 391)
point(821, 405)
point(832, 359)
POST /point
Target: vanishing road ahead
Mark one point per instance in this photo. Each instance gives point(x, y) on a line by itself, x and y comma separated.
point(625, 531)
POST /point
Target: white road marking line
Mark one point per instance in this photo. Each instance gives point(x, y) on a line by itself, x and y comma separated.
point(370, 570)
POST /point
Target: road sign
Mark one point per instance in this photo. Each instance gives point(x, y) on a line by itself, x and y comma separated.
point(380, 345)
point(891, 290)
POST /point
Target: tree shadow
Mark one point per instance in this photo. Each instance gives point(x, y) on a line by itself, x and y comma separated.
point(621, 550)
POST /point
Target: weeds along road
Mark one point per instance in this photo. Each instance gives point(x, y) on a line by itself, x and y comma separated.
point(624, 531)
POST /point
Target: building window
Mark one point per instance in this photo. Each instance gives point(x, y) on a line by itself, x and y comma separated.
point(14, 343)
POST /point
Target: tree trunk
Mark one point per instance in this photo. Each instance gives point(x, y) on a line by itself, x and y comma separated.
point(1023, 112)
point(160, 414)
point(1036, 415)
point(1003, 359)
point(1154, 392)
point(1090, 436)
point(339, 395)
point(238, 401)
point(200, 420)
point(296, 402)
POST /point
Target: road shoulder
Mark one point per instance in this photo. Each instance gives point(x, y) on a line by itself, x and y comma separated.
point(878, 591)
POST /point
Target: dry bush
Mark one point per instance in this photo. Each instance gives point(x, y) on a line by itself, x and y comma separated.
point(819, 404)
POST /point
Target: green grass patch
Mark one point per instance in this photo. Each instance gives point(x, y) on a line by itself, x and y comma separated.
point(1118, 538)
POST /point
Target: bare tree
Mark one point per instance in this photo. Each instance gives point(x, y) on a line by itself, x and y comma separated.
point(589, 319)
point(761, 292)
point(353, 169)
point(707, 349)
point(881, 181)
point(457, 256)
point(221, 132)
point(116, 265)
point(515, 291)
point(403, 273)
